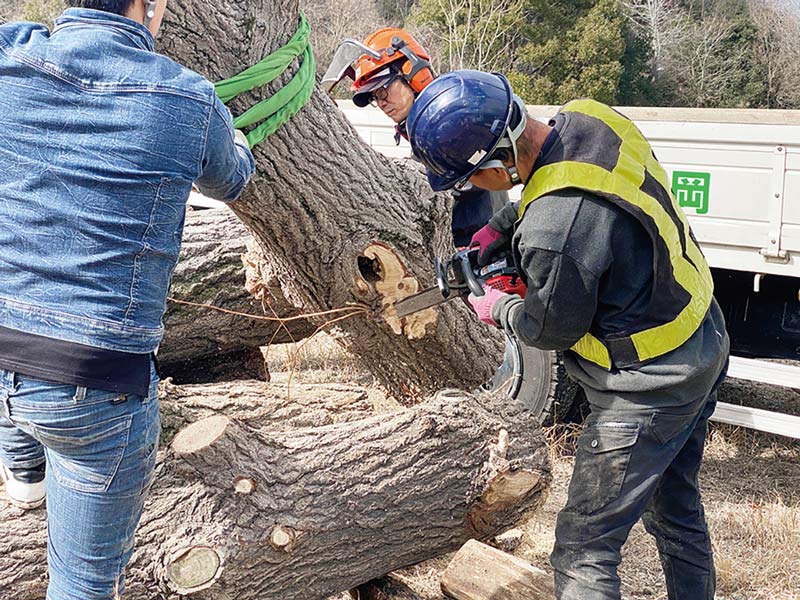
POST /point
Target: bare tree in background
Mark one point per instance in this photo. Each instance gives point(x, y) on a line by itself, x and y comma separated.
point(663, 23)
point(394, 11)
point(469, 34)
point(702, 67)
point(778, 49)
point(333, 20)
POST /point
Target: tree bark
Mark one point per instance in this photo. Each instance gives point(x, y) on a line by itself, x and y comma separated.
point(242, 508)
point(335, 217)
point(262, 405)
point(219, 266)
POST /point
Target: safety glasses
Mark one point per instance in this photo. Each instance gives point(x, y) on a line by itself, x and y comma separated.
point(382, 92)
point(464, 184)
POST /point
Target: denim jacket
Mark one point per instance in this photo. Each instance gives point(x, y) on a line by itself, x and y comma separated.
point(100, 141)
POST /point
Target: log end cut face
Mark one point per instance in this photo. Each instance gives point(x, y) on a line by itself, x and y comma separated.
point(200, 435)
point(194, 569)
point(508, 485)
point(506, 491)
point(386, 273)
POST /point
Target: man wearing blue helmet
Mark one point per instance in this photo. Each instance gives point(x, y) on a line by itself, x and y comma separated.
point(616, 281)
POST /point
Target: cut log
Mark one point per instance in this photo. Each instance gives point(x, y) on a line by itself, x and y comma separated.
point(480, 572)
point(211, 271)
point(251, 512)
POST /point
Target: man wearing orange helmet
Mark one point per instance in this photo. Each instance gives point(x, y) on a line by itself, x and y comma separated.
point(388, 70)
point(392, 75)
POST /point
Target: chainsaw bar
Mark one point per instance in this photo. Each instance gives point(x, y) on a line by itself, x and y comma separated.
point(417, 302)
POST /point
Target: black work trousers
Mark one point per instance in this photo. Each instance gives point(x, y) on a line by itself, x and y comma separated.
point(635, 464)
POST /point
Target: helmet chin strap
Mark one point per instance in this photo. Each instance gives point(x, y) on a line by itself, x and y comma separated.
point(149, 11)
point(510, 141)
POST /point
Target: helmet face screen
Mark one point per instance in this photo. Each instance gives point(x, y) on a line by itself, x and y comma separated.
point(344, 57)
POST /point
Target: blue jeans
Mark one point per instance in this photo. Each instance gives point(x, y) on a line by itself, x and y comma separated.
point(631, 465)
point(100, 449)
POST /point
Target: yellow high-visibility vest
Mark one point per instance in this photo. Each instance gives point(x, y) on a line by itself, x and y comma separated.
point(606, 154)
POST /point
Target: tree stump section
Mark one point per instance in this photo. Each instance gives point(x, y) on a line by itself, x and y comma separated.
point(480, 572)
point(321, 199)
point(321, 202)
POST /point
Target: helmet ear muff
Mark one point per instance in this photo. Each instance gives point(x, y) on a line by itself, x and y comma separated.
point(416, 70)
point(421, 79)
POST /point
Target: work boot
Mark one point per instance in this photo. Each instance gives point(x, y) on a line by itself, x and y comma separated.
point(22, 494)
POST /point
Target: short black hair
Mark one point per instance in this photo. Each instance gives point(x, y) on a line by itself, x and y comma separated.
point(118, 7)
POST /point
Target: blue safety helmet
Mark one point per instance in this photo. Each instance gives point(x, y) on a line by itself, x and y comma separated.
point(459, 120)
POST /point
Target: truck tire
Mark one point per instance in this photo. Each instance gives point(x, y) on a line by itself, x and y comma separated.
point(547, 391)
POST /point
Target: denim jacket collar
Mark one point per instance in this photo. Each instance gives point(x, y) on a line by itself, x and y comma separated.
point(136, 32)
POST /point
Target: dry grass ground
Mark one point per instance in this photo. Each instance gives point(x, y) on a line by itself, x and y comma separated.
point(750, 481)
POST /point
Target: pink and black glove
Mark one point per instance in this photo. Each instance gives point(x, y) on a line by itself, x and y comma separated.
point(489, 241)
point(483, 305)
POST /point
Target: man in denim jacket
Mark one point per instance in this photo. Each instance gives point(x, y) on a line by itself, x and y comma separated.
point(100, 141)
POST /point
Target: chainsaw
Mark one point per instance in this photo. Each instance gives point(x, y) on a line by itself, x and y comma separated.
point(458, 275)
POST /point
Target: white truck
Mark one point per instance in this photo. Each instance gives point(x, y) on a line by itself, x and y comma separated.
point(736, 173)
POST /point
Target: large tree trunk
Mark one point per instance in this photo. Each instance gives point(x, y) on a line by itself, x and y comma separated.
point(338, 221)
point(253, 509)
point(219, 266)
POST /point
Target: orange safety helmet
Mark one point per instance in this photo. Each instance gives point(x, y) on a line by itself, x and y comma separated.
point(398, 48)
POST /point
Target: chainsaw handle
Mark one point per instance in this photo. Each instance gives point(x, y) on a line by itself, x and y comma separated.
point(473, 283)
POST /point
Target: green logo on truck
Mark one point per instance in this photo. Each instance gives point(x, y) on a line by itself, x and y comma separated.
point(691, 190)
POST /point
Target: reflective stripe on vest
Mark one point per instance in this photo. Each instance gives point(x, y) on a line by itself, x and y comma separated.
point(623, 185)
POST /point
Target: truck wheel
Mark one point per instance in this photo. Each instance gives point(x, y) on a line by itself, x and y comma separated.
point(547, 391)
point(543, 390)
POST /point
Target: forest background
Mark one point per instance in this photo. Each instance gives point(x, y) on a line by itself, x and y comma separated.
point(696, 53)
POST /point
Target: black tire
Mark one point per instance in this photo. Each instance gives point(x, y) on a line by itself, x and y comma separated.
point(547, 392)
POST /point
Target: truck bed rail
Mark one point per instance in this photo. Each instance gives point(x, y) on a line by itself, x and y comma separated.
point(756, 418)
